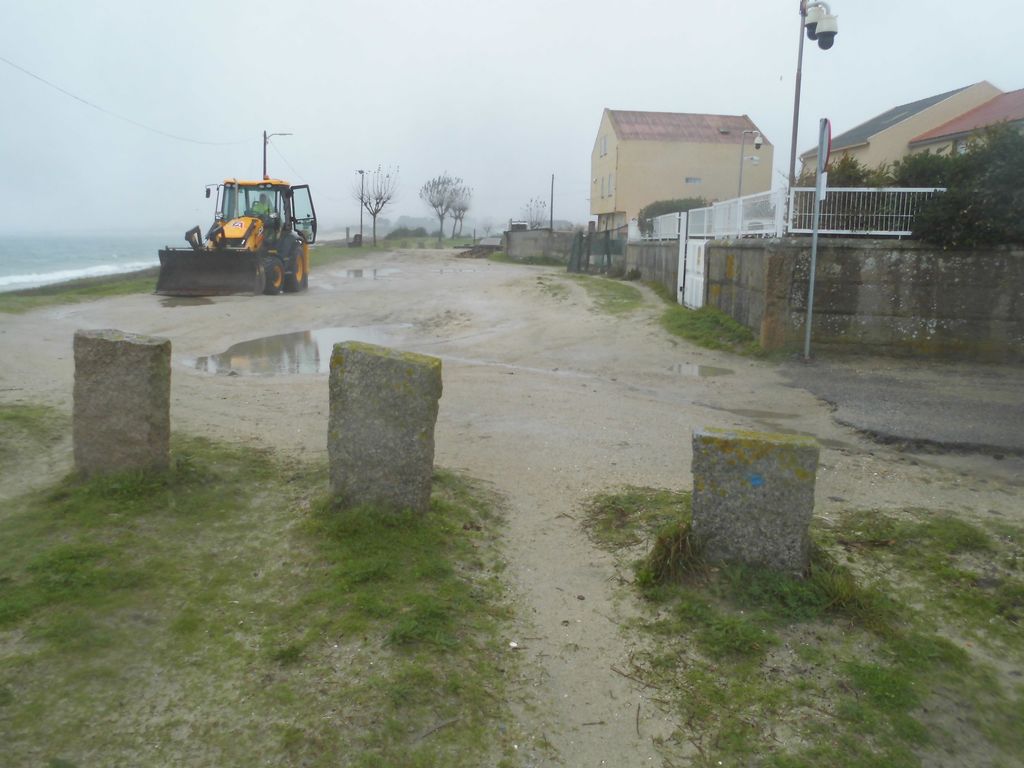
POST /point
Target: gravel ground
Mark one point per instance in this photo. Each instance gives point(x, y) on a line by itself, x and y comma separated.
point(544, 398)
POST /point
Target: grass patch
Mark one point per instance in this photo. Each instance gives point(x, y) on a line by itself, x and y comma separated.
point(26, 430)
point(633, 515)
point(227, 608)
point(86, 289)
point(706, 327)
point(614, 297)
point(709, 328)
point(852, 665)
point(554, 287)
point(537, 261)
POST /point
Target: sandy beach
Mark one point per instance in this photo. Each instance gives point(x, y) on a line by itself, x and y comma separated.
point(545, 398)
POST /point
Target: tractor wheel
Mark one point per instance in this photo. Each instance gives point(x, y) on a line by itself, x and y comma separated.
point(298, 280)
point(274, 280)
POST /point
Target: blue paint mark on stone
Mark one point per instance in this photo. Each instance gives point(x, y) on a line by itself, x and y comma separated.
point(756, 481)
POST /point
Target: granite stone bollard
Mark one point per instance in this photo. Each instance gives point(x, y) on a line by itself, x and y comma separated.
point(380, 436)
point(122, 402)
point(753, 497)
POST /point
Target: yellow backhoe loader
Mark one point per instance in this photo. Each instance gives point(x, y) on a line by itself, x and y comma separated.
point(259, 243)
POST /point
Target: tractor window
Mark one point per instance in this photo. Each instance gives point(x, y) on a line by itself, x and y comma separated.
point(259, 201)
point(303, 215)
point(237, 200)
point(228, 203)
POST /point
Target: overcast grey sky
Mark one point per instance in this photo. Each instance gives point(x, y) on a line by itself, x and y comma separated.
point(502, 94)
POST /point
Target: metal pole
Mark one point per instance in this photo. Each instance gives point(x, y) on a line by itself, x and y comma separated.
point(796, 97)
point(551, 208)
point(264, 154)
point(743, 146)
point(818, 193)
point(266, 140)
point(362, 176)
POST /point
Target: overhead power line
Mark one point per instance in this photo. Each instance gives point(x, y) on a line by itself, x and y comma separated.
point(98, 108)
point(285, 159)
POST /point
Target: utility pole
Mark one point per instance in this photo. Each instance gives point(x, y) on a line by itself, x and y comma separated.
point(362, 197)
point(266, 140)
point(551, 207)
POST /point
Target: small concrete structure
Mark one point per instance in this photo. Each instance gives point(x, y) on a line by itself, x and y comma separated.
point(753, 497)
point(122, 402)
point(380, 437)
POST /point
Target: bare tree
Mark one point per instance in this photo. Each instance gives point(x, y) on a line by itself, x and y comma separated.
point(439, 193)
point(535, 212)
point(461, 199)
point(376, 193)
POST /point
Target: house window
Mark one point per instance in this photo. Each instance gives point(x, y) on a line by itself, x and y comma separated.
point(602, 186)
point(604, 145)
point(693, 179)
point(960, 147)
point(611, 184)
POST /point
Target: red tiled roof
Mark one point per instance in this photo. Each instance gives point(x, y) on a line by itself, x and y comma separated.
point(1005, 106)
point(680, 126)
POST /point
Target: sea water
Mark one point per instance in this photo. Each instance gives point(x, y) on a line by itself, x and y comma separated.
point(27, 261)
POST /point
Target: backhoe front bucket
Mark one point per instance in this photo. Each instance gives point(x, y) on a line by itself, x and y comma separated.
point(187, 272)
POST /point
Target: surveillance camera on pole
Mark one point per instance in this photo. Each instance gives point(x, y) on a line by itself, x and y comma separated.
point(821, 25)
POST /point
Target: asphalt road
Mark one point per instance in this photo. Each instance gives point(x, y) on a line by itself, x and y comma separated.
point(922, 405)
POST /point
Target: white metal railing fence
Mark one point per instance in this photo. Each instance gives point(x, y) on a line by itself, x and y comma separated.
point(884, 212)
point(664, 227)
point(758, 215)
point(881, 212)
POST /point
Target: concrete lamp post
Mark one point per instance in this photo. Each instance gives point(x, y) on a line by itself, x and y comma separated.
point(817, 20)
point(266, 140)
point(743, 147)
point(362, 198)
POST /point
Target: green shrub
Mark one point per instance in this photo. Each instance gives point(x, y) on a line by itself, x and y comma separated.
point(661, 207)
point(984, 202)
point(401, 232)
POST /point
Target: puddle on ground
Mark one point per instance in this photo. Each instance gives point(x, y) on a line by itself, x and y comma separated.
point(301, 352)
point(699, 371)
point(371, 274)
point(185, 301)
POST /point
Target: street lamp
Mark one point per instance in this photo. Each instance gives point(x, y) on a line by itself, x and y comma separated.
point(362, 176)
point(266, 138)
point(743, 146)
point(817, 19)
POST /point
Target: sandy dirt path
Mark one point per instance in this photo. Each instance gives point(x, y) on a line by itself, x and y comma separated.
point(545, 398)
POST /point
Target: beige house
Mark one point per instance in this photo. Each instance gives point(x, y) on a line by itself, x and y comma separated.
point(642, 157)
point(953, 136)
point(887, 137)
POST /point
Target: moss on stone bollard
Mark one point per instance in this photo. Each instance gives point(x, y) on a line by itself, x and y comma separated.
point(122, 402)
point(380, 438)
point(753, 497)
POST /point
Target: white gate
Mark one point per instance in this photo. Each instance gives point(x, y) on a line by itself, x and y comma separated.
point(694, 273)
point(692, 267)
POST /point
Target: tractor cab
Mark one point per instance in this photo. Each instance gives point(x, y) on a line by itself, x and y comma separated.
point(279, 208)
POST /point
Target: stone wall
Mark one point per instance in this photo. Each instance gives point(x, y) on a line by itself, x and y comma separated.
point(522, 245)
point(890, 296)
point(657, 261)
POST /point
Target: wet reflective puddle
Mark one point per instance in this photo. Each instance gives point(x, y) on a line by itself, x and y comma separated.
point(185, 301)
point(300, 352)
point(370, 274)
point(700, 371)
